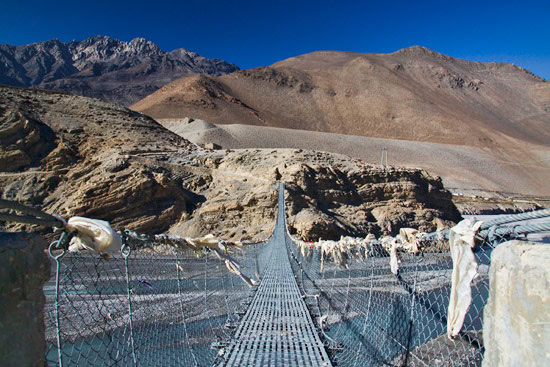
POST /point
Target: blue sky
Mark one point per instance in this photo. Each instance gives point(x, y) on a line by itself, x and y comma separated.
point(261, 32)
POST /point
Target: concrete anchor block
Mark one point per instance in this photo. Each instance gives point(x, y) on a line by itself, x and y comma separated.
point(24, 268)
point(516, 326)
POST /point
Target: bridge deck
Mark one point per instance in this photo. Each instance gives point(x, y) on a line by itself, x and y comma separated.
point(277, 329)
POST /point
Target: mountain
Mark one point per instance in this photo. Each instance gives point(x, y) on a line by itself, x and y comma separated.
point(102, 67)
point(481, 126)
point(412, 94)
point(78, 156)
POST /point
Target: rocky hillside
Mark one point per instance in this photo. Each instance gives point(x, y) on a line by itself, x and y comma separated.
point(72, 156)
point(102, 67)
point(465, 170)
point(79, 156)
point(328, 195)
point(475, 117)
point(412, 94)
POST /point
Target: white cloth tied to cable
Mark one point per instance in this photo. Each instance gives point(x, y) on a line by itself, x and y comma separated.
point(219, 248)
point(461, 243)
point(206, 241)
point(334, 249)
point(409, 239)
point(394, 258)
point(391, 245)
point(93, 234)
point(233, 266)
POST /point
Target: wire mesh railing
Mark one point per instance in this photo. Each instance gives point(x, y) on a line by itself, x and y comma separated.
point(370, 316)
point(373, 317)
point(155, 306)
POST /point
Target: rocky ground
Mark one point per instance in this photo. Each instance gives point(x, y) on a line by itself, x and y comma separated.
point(498, 203)
point(79, 156)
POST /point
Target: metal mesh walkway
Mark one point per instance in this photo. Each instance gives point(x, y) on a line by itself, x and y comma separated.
point(277, 329)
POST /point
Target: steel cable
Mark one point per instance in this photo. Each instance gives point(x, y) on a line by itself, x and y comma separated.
point(37, 216)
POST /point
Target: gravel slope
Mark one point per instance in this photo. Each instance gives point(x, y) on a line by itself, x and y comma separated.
point(464, 169)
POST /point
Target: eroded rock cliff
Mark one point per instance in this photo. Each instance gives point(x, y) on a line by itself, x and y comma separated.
point(328, 195)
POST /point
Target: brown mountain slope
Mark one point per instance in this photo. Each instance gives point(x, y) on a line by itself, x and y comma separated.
point(412, 94)
point(73, 155)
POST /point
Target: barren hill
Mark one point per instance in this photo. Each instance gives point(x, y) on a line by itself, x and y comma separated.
point(78, 156)
point(480, 116)
point(465, 170)
point(412, 94)
point(102, 67)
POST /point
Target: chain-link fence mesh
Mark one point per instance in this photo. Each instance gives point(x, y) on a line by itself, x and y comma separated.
point(372, 317)
point(164, 306)
point(172, 309)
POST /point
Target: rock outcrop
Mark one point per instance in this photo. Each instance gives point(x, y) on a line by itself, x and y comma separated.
point(23, 141)
point(102, 67)
point(79, 160)
point(328, 195)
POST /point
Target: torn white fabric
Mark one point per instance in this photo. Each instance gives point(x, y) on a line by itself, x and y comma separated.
point(461, 242)
point(351, 248)
point(219, 247)
point(409, 239)
point(335, 250)
point(386, 242)
point(93, 234)
point(391, 244)
point(233, 266)
point(195, 244)
point(394, 259)
point(339, 252)
point(206, 241)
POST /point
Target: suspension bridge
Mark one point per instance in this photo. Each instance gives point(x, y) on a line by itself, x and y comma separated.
point(277, 329)
point(156, 303)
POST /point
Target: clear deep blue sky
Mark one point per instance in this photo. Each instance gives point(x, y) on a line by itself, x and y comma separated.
point(261, 32)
